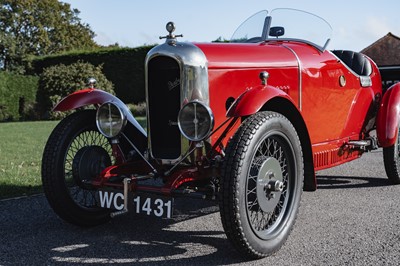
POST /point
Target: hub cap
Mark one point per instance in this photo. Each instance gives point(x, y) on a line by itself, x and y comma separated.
point(88, 163)
point(269, 184)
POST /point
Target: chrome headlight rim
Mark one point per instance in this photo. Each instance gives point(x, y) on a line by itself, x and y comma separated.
point(207, 128)
point(116, 117)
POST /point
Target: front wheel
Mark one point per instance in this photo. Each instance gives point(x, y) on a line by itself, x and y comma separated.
point(74, 155)
point(261, 184)
point(391, 160)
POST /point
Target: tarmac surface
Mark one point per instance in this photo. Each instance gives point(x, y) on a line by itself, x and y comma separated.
point(352, 219)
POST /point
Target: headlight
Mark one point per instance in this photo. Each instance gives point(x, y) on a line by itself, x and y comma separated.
point(110, 119)
point(195, 121)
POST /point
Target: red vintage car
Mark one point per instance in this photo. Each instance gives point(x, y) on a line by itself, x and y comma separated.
point(247, 123)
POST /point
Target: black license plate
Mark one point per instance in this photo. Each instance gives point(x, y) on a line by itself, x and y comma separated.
point(140, 203)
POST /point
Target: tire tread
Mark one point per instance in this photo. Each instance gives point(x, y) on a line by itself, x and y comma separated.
point(62, 205)
point(233, 165)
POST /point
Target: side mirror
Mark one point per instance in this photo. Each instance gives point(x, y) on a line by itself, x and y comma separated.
point(276, 31)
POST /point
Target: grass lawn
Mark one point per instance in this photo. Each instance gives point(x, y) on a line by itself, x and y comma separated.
point(21, 148)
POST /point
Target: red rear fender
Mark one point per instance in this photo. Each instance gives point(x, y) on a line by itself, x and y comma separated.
point(252, 100)
point(387, 121)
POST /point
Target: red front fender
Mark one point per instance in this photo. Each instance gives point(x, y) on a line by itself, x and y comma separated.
point(252, 100)
point(387, 120)
point(94, 96)
point(84, 97)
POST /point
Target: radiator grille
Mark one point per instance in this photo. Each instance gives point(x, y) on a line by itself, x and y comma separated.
point(163, 107)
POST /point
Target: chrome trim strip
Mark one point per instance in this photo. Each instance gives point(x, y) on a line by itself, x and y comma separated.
point(300, 78)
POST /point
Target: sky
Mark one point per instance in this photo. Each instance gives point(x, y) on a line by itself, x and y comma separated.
point(130, 23)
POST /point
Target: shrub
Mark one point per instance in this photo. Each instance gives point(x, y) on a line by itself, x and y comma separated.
point(17, 96)
point(58, 81)
point(138, 109)
point(124, 67)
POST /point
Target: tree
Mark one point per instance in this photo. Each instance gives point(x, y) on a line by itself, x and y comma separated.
point(39, 27)
point(220, 39)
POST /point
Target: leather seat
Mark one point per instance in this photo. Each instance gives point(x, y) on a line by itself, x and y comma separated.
point(355, 61)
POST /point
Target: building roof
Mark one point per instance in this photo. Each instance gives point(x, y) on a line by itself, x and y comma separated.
point(385, 51)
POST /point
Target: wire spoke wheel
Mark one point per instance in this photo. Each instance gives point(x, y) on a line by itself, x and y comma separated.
point(88, 154)
point(268, 185)
point(261, 184)
point(75, 154)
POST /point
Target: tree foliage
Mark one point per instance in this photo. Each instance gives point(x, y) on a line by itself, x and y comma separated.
point(39, 27)
point(221, 39)
point(58, 81)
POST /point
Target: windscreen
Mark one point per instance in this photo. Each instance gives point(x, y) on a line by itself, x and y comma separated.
point(301, 25)
point(285, 24)
point(251, 29)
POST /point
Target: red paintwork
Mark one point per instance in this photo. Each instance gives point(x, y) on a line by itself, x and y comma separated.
point(252, 100)
point(245, 56)
point(82, 98)
point(387, 122)
point(174, 182)
point(237, 68)
point(333, 114)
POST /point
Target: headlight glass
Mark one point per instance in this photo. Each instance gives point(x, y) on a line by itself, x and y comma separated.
point(110, 119)
point(195, 121)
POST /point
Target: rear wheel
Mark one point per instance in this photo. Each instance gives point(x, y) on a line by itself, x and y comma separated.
point(391, 159)
point(75, 153)
point(261, 184)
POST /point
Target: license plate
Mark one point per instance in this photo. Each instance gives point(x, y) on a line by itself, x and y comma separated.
point(148, 204)
point(153, 205)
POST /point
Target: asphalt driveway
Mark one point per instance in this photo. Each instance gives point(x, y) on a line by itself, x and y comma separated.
point(352, 219)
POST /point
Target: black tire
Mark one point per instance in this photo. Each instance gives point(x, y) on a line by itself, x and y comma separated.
point(391, 160)
point(75, 152)
point(265, 149)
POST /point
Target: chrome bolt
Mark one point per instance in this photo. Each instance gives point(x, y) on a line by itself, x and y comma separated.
point(271, 175)
point(274, 185)
point(264, 75)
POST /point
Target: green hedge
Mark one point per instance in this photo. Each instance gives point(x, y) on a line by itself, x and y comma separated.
point(17, 96)
point(56, 82)
point(124, 67)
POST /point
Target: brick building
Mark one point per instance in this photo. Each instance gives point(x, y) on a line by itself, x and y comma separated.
point(386, 54)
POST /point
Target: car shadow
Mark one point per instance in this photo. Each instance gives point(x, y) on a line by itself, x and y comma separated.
point(346, 182)
point(142, 240)
point(127, 239)
point(9, 191)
